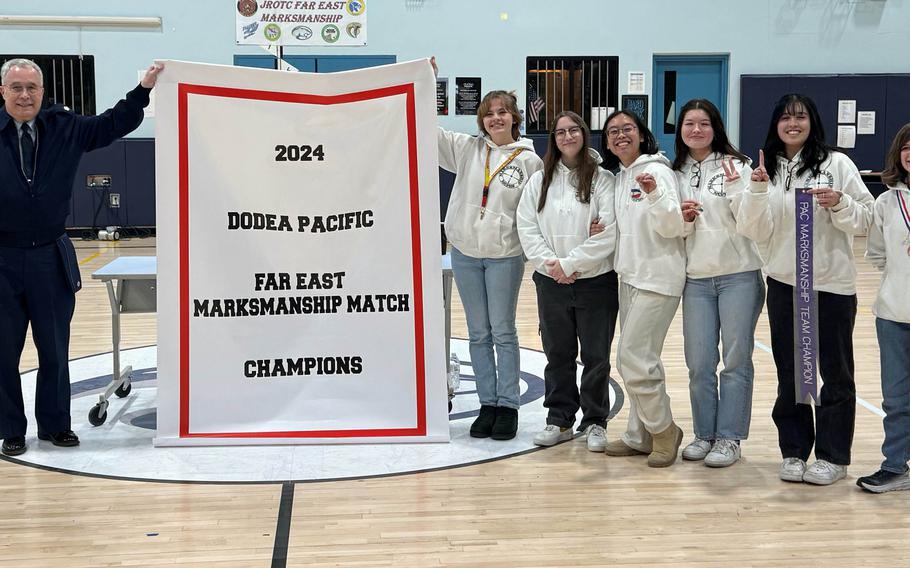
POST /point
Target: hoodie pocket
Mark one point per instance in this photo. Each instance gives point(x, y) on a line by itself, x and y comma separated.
point(712, 252)
point(492, 235)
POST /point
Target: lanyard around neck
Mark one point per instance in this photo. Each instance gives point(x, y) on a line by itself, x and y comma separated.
point(488, 177)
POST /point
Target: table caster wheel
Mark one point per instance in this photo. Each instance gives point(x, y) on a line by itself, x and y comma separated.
point(97, 416)
point(124, 389)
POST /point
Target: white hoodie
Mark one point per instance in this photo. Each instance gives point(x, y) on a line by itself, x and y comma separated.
point(650, 252)
point(496, 235)
point(561, 230)
point(888, 249)
point(713, 245)
point(767, 216)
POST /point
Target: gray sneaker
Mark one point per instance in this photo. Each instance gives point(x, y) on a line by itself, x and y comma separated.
point(551, 435)
point(697, 450)
point(724, 453)
point(792, 469)
point(824, 473)
point(596, 438)
point(883, 481)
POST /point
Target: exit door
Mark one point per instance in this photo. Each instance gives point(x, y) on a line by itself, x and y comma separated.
point(679, 79)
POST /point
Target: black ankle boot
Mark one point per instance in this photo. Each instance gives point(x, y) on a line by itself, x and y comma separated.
point(506, 425)
point(483, 425)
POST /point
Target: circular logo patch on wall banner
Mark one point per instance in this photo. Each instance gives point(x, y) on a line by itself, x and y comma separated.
point(247, 8)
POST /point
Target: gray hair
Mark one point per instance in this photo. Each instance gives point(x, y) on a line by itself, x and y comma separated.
point(20, 63)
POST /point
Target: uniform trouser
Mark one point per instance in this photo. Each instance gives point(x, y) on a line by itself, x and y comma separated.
point(644, 319)
point(34, 288)
point(832, 432)
point(572, 314)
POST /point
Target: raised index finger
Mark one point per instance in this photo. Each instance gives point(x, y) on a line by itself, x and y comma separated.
point(761, 159)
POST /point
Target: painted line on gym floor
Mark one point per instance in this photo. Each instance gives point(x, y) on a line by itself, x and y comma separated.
point(89, 258)
point(283, 528)
point(13, 460)
point(862, 402)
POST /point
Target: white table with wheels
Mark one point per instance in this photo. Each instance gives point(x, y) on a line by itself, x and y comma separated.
point(131, 283)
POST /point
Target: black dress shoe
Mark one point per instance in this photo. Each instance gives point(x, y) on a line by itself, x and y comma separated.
point(483, 425)
point(65, 439)
point(14, 446)
point(506, 425)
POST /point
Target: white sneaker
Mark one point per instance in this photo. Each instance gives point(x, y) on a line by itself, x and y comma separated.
point(697, 450)
point(551, 435)
point(596, 438)
point(724, 453)
point(824, 473)
point(792, 469)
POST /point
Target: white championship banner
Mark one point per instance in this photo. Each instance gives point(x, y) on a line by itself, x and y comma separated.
point(299, 278)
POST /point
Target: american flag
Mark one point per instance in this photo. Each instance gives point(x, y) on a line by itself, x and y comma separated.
point(536, 104)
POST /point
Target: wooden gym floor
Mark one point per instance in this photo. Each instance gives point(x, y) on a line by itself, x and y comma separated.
point(563, 506)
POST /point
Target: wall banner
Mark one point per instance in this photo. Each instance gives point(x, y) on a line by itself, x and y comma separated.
point(301, 22)
point(299, 278)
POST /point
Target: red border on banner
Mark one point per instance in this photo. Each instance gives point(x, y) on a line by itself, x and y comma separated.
point(183, 91)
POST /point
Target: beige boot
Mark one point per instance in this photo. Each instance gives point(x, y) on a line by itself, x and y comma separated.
point(618, 448)
point(666, 445)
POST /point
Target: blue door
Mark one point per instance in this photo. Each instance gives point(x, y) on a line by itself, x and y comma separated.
point(316, 64)
point(334, 63)
point(257, 61)
point(679, 79)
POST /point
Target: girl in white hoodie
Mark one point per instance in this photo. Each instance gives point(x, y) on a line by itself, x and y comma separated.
point(491, 171)
point(724, 289)
point(577, 290)
point(798, 159)
point(888, 248)
point(651, 263)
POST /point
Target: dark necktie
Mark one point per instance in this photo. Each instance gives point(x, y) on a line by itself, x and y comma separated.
point(27, 144)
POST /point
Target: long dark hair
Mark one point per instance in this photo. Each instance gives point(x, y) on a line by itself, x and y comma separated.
point(894, 172)
point(584, 171)
point(648, 142)
point(814, 151)
point(720, 144)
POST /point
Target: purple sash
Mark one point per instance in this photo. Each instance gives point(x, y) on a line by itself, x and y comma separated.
point(805, 304)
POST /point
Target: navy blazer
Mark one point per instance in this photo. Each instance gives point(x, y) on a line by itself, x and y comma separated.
point(35, 214)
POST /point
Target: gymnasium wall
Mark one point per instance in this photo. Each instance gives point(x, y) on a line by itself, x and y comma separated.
point(491, 38)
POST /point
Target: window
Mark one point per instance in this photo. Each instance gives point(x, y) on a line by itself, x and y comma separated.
point(588, 86)
point(68, 80)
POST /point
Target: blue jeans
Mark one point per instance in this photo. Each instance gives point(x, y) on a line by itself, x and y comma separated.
point(722, 308)
point(894, 349)
point(488, 288)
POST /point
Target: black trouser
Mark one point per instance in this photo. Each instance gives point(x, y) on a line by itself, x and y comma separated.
point(34, 288)
point(584, 312)
point(832, 433)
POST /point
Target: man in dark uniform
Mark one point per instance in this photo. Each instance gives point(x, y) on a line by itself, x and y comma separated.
point(39, 275)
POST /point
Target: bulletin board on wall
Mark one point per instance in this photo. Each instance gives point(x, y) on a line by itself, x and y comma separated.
point(887, 95)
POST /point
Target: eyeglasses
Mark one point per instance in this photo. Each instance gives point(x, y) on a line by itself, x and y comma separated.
point(19, 89)
point(563, 132)
point(627, 130)
point(695, 179)
point(790, 171)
